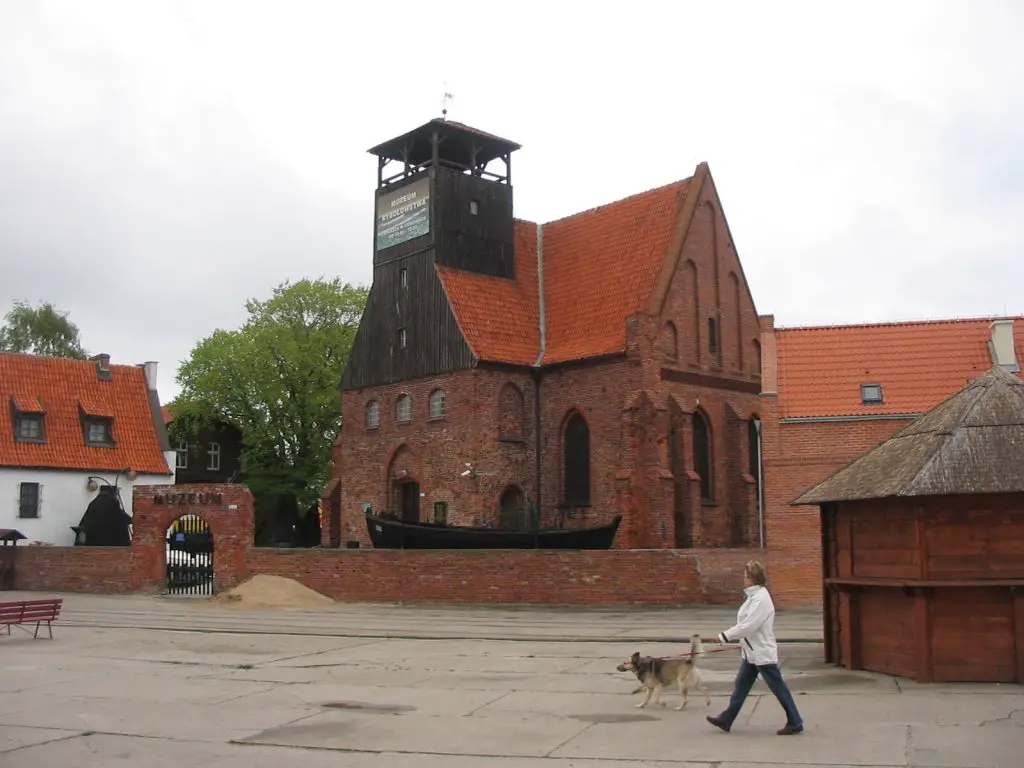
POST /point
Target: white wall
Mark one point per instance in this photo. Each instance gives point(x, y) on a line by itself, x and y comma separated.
point(63, 498)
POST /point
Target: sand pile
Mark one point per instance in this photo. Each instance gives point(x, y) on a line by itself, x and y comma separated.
point(263, 591)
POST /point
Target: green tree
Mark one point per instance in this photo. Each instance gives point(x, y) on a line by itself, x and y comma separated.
point(40, 330)
point(277, 380)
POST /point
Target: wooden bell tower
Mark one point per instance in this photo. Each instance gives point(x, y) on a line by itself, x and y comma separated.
point(446, 188)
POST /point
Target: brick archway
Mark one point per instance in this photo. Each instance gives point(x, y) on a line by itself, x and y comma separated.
point(226, 509)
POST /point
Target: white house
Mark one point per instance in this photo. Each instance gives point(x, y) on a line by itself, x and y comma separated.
point(69, 428)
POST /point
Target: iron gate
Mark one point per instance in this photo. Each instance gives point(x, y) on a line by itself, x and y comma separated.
point(189, 557)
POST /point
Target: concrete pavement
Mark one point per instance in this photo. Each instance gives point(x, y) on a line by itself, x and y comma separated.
point(420, 622)
point(104, 697)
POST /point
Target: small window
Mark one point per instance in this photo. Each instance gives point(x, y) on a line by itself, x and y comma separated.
point(441, 512)
point(712, 335)
point(403, 278)
point(437, 404)
point(29, 428)
point(372, 414)
point(97, 432)
point(401, 338)
point(403, 409)
point(474, 207)
point(28, 501)
point(213, 463)
point(181, 456)
point(871, 394)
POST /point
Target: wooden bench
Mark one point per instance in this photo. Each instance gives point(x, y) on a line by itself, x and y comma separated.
point(36, 612)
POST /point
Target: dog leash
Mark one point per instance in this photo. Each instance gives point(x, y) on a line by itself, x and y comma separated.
point(713, 650)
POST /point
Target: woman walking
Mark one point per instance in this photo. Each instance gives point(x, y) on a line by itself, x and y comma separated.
point(755, 628)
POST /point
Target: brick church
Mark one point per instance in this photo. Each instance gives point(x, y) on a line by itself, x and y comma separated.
point(509, 373)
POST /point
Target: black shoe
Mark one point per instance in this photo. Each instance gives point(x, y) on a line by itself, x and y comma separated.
point(718, 722)
point(789, 730)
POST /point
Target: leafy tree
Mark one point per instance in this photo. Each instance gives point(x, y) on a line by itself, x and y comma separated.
point(40, 330)
point(276, 379)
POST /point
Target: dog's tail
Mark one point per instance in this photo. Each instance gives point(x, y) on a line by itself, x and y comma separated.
point(696, 648)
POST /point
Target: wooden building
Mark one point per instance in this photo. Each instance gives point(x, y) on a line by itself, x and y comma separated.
point(923, 543)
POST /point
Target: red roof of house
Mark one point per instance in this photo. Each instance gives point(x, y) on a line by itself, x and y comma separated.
point(166, 414)
point(918, 364)
point(500, 318)
point(64, 389)
point(599, 267)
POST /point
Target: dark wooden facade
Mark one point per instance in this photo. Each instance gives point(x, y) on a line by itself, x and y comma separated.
point(223, 438)
point(408, 330)
point(926, 588)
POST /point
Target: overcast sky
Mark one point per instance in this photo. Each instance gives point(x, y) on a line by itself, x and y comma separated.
point(160, 162)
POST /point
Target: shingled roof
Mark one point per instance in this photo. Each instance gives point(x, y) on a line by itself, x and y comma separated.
point(598, 267)
point(972, 442)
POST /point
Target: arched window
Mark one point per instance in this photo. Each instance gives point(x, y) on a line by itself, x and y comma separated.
point(576, 442)
point(670, 341)
point(403, 409)
point(510, 413)
point(436, 404)
point(702, 461)
point(372, 414)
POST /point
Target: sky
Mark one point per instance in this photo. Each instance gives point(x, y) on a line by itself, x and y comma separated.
point(162, 162)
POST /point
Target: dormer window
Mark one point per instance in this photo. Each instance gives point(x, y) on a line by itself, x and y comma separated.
point(871, 394)
point(29, 428)
point(27, 417)
point(98, 431)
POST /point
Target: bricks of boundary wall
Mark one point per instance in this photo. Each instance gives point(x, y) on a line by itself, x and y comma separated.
point(99, 570)
point(614, 577)
point(227, 509)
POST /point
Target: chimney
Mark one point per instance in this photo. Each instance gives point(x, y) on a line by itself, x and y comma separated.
point(102, 361)
point(1001, 346)
point(149, 367)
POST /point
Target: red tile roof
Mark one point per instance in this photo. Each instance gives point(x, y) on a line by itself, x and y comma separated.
point(600, 266)
point(62, 387)
point(166, 414)
point(499, 317)
point(918, 365)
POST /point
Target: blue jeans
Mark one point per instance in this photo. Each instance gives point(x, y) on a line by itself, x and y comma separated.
point(745, 678)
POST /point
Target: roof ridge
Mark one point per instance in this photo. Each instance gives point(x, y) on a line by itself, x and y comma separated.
point(633, 196)
point(68, 360)
point(900, 323)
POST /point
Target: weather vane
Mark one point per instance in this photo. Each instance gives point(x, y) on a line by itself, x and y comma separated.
point(444, 102)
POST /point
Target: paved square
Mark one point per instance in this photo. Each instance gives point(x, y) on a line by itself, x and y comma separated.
point(241, 692)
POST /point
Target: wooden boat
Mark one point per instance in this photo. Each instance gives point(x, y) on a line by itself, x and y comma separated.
point(396, 534)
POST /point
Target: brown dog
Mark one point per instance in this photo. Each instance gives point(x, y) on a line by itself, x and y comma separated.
point(657, 672)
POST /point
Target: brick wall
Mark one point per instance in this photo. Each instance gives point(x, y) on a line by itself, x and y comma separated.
point(614, 577)
point(434, 452)
point(99, 570)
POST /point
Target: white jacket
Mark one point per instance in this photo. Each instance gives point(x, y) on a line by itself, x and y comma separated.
point(755, 628)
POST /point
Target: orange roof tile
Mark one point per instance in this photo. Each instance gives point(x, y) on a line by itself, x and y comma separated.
point(28, 404)
point(60, 385)
point(499, 317)
point(600, 266)
point(165, 412)
point(918, 365)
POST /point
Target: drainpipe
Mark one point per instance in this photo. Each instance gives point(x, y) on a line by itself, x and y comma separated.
point(535, 373)
point(760, 486)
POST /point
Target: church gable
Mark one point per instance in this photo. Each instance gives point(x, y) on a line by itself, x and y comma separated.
point(705, 308)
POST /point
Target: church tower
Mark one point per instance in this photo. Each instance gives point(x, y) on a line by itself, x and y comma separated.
point(444, 196)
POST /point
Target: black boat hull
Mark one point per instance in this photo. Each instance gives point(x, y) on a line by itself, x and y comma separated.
point(395, 534)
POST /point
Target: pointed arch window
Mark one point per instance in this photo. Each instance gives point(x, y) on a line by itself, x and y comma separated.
point(576, 462)
point(702, 458)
